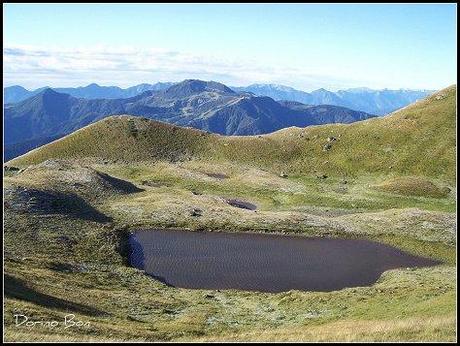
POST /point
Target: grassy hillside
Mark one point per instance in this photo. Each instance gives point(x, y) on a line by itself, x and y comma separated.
point(418, 140)
point(71, 206)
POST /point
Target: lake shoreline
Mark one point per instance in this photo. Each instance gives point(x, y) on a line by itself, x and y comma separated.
point(264, 262)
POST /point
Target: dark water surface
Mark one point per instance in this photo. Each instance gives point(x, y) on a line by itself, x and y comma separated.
point(238, 203)
point(260, 262)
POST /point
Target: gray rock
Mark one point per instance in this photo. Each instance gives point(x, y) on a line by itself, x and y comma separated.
point(196, 212)
point(327, 147)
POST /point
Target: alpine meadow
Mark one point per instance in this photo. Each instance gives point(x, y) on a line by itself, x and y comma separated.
point(198, 199)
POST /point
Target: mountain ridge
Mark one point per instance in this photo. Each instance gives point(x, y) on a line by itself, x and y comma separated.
point(373, 101)
point(17, 93)
point(388, 145)
point(210, 106)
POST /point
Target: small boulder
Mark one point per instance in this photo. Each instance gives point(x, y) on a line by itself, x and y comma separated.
point(327, 147)
point(196, 212)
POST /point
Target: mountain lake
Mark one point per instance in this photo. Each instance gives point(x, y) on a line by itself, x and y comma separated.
point(261, 262)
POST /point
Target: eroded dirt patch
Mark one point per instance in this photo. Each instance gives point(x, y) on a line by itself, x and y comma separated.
point(220, 176)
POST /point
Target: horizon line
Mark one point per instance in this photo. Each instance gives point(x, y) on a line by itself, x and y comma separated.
point(7, 85)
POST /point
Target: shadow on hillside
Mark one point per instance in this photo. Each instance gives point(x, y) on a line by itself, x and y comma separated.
point(30, 200)
point(17, 289)
point(119, 184)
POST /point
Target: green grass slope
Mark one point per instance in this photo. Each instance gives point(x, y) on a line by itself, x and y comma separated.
point(69, 211)
point(413, 186)
point(417, 140)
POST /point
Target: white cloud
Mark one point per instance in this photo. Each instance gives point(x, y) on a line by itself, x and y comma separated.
point(125, 66)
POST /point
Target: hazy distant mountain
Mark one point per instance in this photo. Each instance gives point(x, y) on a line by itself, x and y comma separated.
point(277, 92)
point(16, 93)
point(50, 113)
point(378, 102)
point(367, 100)
point(209, 106)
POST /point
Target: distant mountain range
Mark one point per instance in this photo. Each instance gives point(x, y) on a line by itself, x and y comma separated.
point(209, 106)
point(17, 93)
point(379, 102)
point(371, 101)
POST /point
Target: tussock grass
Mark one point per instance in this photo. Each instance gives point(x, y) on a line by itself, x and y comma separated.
point(420, 329)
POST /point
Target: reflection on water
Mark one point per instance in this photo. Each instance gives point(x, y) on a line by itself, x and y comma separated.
point(268, 263)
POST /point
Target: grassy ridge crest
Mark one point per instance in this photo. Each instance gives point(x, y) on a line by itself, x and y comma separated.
point(417, 140)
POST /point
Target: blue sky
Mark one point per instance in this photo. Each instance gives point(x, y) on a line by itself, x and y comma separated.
point(304, 46)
